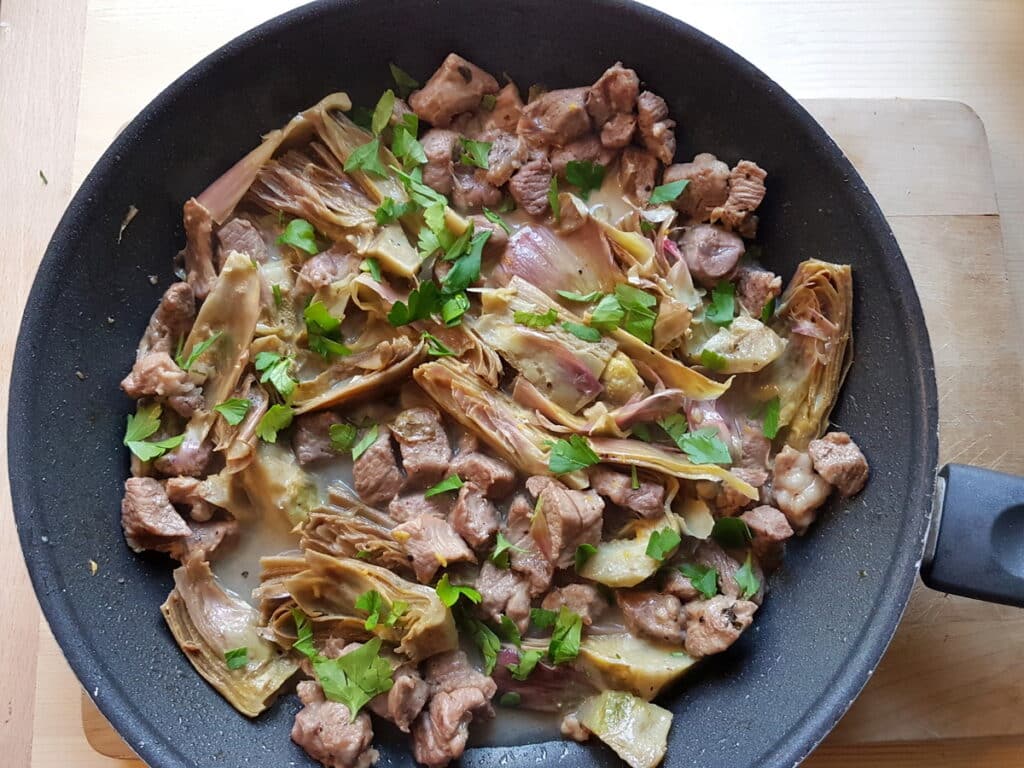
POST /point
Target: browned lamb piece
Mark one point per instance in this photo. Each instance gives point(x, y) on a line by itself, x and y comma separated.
point(755, 287)
point(199, 271)
point(375, 473)
point(431, 543)
point(582, 599)
point(648, 500)
point(495, 477)
point(652, 614)
point(505, 592)
point(471, 191)
point(572, 518)
point(326, 730)
point(707, 185)
point(746, 191)
point(618, 132)
point(529, 186)
point(507, 154)
point(242, 236)
point(711, 253)
point(838, 459)
point(323, 269)
point(527, 558)
point(771, 529)
point(423, 444)
point(474, 517)
point(406, 699)
point(656, 130)
point(508, 108)
point(456, 87)
point(412, 505)
point(555, 118)
point(713, 625)
point(637, 172)
point(797, 488)
point(311, 436)
point(440, 145)
point(171, 321)
point(157, 375)
point(587, 149)
point(615, 93)
point(148, 518)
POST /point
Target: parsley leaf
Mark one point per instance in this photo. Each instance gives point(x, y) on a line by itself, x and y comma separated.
point(723, 304)
point(197, 351)
point(278, 298)
point(510, 699)
point(420, 305)
point(143, 423)
point(580, 297)
point(638, 317)
point(149, 451)
point(510, 632)
point(711, 359)
point(421, 194)
point(276, 418)
point(343, 437)
point(449, 593)
point(662, 544)
point(459, 244)
point(451, 483)
point(372, 266)
point(666, 193)
point(771, 418)
point(484, 637)
point(526, 664)
point(634, 479)
point(373, 604)
point(565, 637)
point(382, 112)
point(608, 313)
point(488, 102)
point(584, 332)
point(746, 580)
point(435, 347)
point(768, 311)
point(362, 117)
point(466, 270)
point(475, 152)
point(556, 207)
point(404, 144)
point(675, 426)
point(398, 609)
point(303, 634)
point(585, 175)
point(299, 234)
point(323, 332)
point(403, 81)
point(236, 658)
point(389, 211)
point(275, 369)
point(534, 320)
point(454, 308)
point(731, 532)
point(494, 218)
point(571, 455)
point(583, 553)
point(704, 579)
point(368, 439)
point(705, 447)
point(542, 618)
point(502, 549)
point(233, 410)
point(366, 158)
point(355, 678)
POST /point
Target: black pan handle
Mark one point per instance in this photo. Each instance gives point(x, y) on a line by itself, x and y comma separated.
point(975, 546)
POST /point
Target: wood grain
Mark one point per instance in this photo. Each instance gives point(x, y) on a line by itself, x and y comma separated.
point(41, 45)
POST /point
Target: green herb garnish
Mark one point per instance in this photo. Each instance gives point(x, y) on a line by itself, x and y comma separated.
point(233, 410)
point(571, 455)
point(236, 658)
point(535, 320)
point(770, 427)
point(666, 193)
point(368, 439)
point(662, 543)
point(583, 553)
point(475, 152)
point(723, 304)
point(366, 158)
point(732, 532)
point(584, 332)
point(746, 580)
point(584, 175)
point(451, 483)
point(704, 579)
point(343, 437)
point(276, 418)
point(449, 593)
point(299, 234)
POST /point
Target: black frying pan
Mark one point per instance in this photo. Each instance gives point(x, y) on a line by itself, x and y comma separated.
point(770, 699)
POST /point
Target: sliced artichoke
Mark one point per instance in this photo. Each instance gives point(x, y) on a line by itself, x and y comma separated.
point(207, 622)
point(278, 488)
point(670, 371)
point(746, 346)
point(624, 562)
point(328, 589)
point(635, 729)
point(624, 662)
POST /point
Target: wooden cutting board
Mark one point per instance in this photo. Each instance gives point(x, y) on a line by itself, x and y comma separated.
point(949, 692)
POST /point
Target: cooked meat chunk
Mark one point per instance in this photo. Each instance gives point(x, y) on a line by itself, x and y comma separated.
point(508, 108)
point(204, 541)
point(148, 519)
point(496, 243)
point(707, 189)
point(676, 584)
point(471, 191)
point(240, 235)
point(406, 699)
point(771, 529)
point(711, 253)
point(615, 92)
point(754, 451)
point(440, 145)
point(637, 170)
point(187, 491)
point(797, 488)
point(657, 131)
point(652, 614)
point(375, 474)
point(190, 458)
point(713, 625)
point(199, 271)
point(494, 477)
point(756, 287)
point(458, 694)
point(571, 518)
point(710, 554)
point(746, 191)
point(527, 558)
point(647, 501)
point(556, 118)
point(474, 518)
point(423, 443)
point(171, 321)
point(325, 268)
point(530, 184)
point(456, 87)
point(507, 155)
point(587, 149)
point(618, 132)
point(311, 437)
point(582, 599)
point(403, 508)
point(431, 543)
point(326, 730)
point(505, 593)
point(157, 375)
point(838, 459)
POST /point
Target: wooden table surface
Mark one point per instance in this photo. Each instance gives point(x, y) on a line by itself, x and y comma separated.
point(71, 71)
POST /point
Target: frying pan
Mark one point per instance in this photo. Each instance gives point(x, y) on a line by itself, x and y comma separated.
point(833, 606)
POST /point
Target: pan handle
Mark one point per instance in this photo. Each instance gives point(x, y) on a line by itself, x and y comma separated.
point(975, 546)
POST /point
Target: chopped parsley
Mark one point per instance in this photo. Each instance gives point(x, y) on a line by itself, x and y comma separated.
point(583, 553)
point(421, 194)
point(404, 144)
point(368, 439)
point(746, 579)
point(236, 658)
point(732, 532)
point(233, 410)
point(343, 437)
point(366, 158)
point(197, 351)
point(421, 304)
point(372, 266)
point(466, 269)
point(535, 320)
point(571, 455)
point(723, 304)
point(299, 234)
point(388, 211)
point(542, 618)
point(276, 418)
point(711, 359)
point(435, 347)
point(584, 298)
point(638, 316)
point(323, 332)
point(403, 81)
point(584, 175)
point(453, 308)
point(662, 543)
point(526, 664)
point(704, 579)
point(278, 298)
point(702, 446)
point(449, 593)
point(510, 699)
point(768, 311)
point(275, 369)
point(502, 550)
point(565, 637)
point(143, 423)
point(451, 483)
point(373, 604)
point(666, 193)
point(494, 218)
point(584, 332)
point(770, 426)
point(634, 479)
point(510, 632)
point(382, 112)
point(608, 313)
point(475, 152)
point(484, 638)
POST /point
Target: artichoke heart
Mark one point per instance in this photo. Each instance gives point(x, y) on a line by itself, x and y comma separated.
point(327, 591)
point(635, 729)
point(207, 622)
point(277, 487)
point(624, 662)
point(624, 562)
point(746, 346)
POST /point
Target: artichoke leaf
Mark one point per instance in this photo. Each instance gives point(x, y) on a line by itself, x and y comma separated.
point(354, 531)
point(329, 588)
point(746, 346)
point(672, 373)
point(635, 729)
point(624, 562)
point(238, 443)
point(581, 261)
point(207, 622)
point(623, 662)
point(280, 492)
